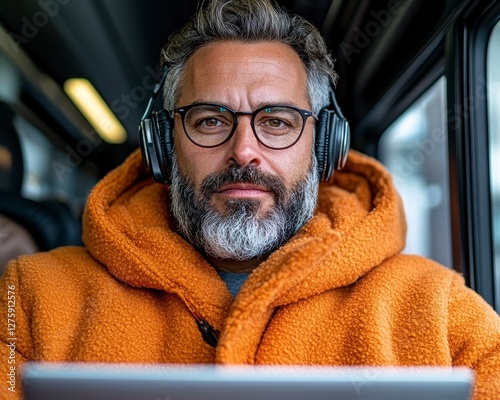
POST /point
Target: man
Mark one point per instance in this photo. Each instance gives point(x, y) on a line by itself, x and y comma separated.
point(317, 276)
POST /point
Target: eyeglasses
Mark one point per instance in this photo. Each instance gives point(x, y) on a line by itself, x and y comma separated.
point(275, 126)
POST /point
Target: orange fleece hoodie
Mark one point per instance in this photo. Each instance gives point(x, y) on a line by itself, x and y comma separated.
point(338, 293)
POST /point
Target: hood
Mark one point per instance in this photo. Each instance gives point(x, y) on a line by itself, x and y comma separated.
point(359, 222)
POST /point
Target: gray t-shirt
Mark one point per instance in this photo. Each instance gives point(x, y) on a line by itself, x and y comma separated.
point(233, 280)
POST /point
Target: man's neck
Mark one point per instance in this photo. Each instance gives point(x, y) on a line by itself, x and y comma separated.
point(234, 266)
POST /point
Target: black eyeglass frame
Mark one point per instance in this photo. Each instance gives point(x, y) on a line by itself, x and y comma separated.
point(182, 111)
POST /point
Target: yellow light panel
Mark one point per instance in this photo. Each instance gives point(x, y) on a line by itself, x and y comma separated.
point(95, 109)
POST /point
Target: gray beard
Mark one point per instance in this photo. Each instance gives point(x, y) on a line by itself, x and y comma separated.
point(240, 234)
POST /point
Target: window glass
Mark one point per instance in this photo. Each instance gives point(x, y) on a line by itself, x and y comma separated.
point(493, 99)
point(414, 149)
point(50, 172)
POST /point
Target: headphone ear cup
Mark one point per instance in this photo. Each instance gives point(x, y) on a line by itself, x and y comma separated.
point(321, 141)
point(166, 138)
point(332, 142)
point(156, 142)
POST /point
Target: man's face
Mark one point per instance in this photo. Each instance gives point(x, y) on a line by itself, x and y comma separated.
point(242, 200)
point(244, 77)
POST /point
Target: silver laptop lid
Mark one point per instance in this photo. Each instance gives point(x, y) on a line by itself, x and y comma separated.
point(180, 382)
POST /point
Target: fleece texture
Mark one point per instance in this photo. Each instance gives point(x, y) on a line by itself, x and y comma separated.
point(338, 293)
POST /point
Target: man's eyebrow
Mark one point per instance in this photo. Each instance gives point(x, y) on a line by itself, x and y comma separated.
point(277, 103)
point(206, 101)
point(257, 106)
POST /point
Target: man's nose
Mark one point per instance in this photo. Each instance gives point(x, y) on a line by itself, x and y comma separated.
point(244, 148)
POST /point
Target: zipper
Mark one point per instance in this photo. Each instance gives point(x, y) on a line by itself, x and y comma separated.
point(210, 335)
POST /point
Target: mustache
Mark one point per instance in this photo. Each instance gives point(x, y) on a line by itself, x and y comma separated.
point(246, 174)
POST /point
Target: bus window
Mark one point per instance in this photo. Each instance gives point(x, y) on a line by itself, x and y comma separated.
point(43, 176)
point(493, 77)
point(414, 148)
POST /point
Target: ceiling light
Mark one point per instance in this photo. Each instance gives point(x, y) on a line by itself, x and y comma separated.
point(95, 109)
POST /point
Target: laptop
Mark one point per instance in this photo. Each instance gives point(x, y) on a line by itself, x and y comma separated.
point(43, 381)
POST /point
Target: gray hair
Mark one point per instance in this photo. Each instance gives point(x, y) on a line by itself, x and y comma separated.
point(250, 21)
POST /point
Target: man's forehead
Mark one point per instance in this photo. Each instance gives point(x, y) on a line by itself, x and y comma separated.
point(263, 68)
point(220, 56)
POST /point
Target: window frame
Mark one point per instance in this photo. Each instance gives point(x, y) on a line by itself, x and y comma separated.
point(468, 146)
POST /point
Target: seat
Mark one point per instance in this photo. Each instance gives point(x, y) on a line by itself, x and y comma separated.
point(26, 225)
point(49, 223)
point(52, 223)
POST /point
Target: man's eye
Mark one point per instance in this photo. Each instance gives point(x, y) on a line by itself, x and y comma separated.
point(275, 123)
point(210, 122)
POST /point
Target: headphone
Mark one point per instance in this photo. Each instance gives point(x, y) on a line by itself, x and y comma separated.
point(156, 139)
